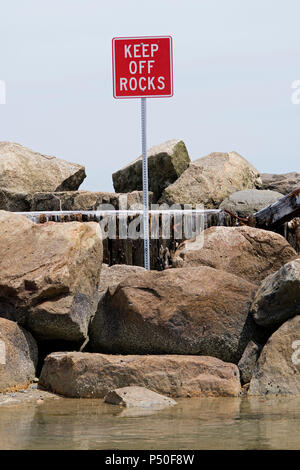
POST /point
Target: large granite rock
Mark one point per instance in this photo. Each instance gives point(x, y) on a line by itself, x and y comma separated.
point(247, 202)
point(18, 356)
point(284, 183)
point(141, 397)
point(247, 252)
point(23, 171)
point(166, 162)
point(84, 200)
point(277, 370)
point(178, 311)
point(278, 297)
point(209, 180)
point(86, 375)
point(110, 278)
point(49, 276)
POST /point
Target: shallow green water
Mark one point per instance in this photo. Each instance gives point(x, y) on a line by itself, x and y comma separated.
point(207, 423)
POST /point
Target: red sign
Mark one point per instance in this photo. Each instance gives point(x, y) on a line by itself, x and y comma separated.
point(142, 67)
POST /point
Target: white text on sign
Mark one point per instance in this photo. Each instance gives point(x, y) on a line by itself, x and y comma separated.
point(142, 67)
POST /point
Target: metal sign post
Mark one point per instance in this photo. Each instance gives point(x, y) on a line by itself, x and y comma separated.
point(145, 187)
point(143, 68)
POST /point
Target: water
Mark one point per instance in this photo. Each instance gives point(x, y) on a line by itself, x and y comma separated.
point(207, 423)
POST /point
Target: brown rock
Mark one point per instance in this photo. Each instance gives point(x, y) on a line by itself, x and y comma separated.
point(166, 162)
point(137, 396)
point(277, 370)
point(247, 252)
point(18, 356)
point(284, 183)
point(23, 171)
point(86, 375)
point(49, 275)
point(210, 180)
point(178, 311)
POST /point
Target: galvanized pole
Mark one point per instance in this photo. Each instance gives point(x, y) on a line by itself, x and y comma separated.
point(145, 187)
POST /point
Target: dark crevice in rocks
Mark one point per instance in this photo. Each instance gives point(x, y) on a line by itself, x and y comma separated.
point(47, 347)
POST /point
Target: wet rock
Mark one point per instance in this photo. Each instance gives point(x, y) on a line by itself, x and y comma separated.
point(277, 371)
point(84, 200)
point(18, 356)
point(178, 311)
point(284, 183)
point(247, 202)
point(137, 397)
point(248, 360)
point(166, 162)
point(23, 171)
point(88, 375)
point(211, 179)
point(278, 297)
point(247, 252)
point(49, 276)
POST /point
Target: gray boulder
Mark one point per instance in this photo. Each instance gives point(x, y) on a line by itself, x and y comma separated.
point(284, 183)
point(211, 179)
point(166, 162)
point(278, 297)
point(18, 356)
point(23, 171)
point(247, 202)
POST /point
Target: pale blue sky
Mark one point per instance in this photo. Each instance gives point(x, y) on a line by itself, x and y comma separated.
point(234, 63)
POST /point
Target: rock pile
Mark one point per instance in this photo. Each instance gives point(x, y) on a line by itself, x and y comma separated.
point(225, 315)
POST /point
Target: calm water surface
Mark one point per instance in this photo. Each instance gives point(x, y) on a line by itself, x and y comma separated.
point(207, 423)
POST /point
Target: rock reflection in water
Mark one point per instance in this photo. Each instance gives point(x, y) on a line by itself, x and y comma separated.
point(207, 423)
